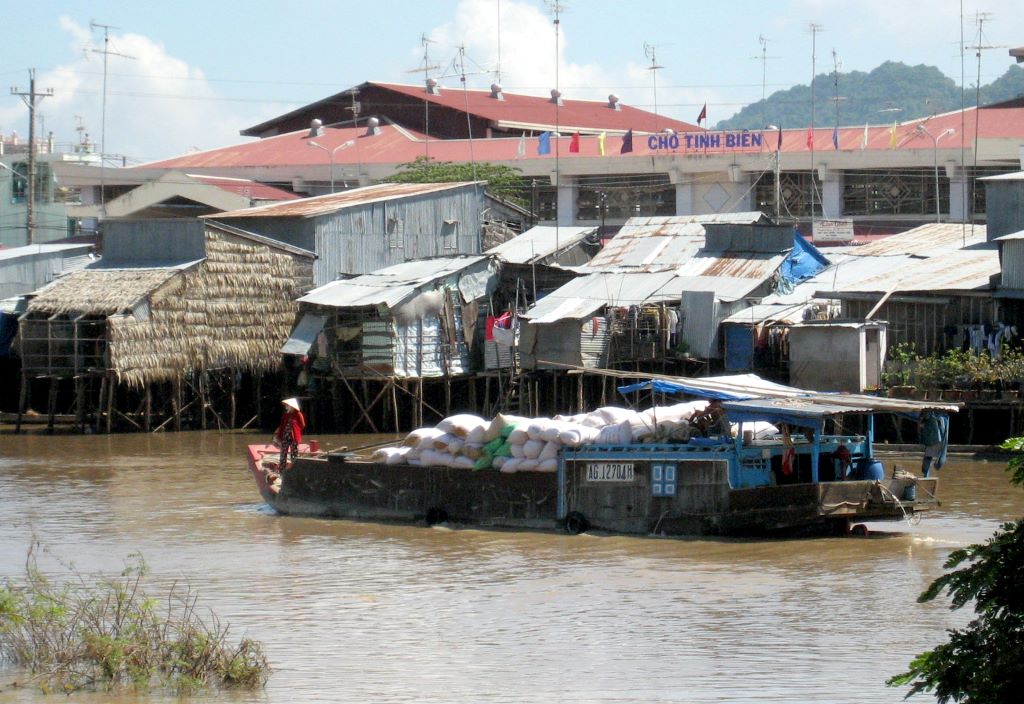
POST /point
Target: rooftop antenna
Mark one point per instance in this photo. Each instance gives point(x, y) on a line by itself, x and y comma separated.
point(979, 46)
point(837, 64)
point(497, 70)
point(426, 68)
point(107, 52)
point(461, 58)
point(649, 52)
point(763, 58)
point(556, 8)
point(813, 28)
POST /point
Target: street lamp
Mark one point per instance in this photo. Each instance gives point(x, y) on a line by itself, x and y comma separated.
point(331, 153)
point(922, 130)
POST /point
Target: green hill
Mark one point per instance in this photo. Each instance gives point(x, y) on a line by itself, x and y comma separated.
point(893, 91)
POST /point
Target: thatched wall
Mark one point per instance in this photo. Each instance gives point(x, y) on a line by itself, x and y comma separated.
point(234, 310)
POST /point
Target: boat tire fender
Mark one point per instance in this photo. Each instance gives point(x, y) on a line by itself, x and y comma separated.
point(436, 515)
point(576, 523)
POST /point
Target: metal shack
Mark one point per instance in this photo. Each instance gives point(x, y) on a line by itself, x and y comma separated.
point(366, 229)
point(389, 331)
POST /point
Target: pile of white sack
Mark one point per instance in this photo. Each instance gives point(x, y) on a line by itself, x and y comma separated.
point(516, 444)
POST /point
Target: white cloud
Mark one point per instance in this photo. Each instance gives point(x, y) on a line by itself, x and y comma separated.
point(157, 105)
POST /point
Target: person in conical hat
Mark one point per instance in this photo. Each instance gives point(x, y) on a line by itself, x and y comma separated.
point(289, 430)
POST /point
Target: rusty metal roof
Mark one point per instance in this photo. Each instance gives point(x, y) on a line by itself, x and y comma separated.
point(927, 240)
point(539, 242)
point(332, 202)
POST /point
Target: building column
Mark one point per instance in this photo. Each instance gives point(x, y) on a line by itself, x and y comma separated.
point(959, 196)
point(567, 191)
point(684, 198)
point(831, 192)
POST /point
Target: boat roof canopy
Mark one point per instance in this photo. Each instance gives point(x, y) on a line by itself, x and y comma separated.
point(748, 397)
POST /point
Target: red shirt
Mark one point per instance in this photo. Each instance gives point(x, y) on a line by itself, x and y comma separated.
point(291, 420)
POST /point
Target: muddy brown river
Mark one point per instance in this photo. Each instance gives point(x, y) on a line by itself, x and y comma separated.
point(360, 612)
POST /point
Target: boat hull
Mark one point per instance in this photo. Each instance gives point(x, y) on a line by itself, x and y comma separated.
point(701, 503)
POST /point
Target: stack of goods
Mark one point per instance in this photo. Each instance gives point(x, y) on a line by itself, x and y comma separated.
point(515, 444)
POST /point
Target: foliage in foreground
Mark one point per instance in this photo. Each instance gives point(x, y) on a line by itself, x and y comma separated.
point(108, 635)
point(982, 662)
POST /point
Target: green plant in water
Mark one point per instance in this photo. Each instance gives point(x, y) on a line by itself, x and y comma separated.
point(108, 635)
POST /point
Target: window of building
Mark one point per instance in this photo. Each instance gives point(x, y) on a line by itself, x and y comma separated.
point(617, 198)
point(894, 192)
point(794, 194)
point(19, 182)
point(450, 235)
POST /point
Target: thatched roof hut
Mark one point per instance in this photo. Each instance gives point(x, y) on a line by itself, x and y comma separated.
point(143, 324)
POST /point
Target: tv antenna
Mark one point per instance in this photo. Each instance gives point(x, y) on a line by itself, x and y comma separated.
point(650, 51)
point(979, 46)
point(107, 52)
point(426, 68)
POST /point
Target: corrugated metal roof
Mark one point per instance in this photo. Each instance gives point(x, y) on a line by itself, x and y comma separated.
point(737, 265)
point(587, 294)
point(725, 288)
point(389, 286)
point(957, 270)
point(1011, 236)
point(31, 250)
point(333, 202)
point(1016, 176)
point(927, 240)
point(539, 242)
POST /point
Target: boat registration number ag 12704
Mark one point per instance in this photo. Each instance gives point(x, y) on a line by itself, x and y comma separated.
point(610, 472)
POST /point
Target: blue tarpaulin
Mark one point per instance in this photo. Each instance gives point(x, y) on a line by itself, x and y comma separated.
point(803, 262)
point(674, 387)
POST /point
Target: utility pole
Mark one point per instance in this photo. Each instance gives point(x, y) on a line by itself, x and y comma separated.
point(30, 99)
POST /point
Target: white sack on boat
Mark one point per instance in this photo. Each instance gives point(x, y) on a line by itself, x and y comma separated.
point(510, 466)
point(472, 450)
point(517, 450)
point(493, 429)
point(550, 451)
point(422, 438)
point(616, 434)
point(576, 435)
point(461, 425)
point(548, 465)
point(518, 436)
point(528, 465)
point(532, 449)
point(462, 462)
point(497, 462)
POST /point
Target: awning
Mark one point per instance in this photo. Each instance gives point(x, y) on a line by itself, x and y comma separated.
point(304, 334)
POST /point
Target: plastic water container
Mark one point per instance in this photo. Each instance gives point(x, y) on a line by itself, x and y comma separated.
point(867, 468)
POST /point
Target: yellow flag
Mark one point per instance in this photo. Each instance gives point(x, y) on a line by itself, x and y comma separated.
point(600, 143)
point(892, 136)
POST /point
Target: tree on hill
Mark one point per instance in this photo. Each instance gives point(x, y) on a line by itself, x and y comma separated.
point(980, 664)
point(503, 181)
point(892, 91)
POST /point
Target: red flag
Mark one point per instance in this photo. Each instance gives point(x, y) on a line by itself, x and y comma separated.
point(703, 114)
point(810, 138)
point(778, 144)
point(574, 143)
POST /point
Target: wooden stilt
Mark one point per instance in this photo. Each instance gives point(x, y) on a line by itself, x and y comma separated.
point(22, 401)
point(80, 404)
point(394, 404)
point(110, 404)
point(447, 396)
point(259, 396)
point(233, 400)
point(362, 406)
point(579, 393)
point(51, 404)
point(472, 393)
point(487, 396)
point(419, 404)
point(176, 402)
point(147, 413)
point(202, 400)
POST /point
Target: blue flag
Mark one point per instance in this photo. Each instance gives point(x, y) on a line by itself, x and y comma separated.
point(627, 142)
point(544, 143)
point(835, 137)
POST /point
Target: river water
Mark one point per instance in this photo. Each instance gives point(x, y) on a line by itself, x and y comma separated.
point(357, 612)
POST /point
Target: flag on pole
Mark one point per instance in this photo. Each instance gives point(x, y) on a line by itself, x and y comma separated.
point(627, 142)
point(778, 144)
point(810, 138)
point(703, 114)
point(892, 136)
point(544, 143)
point(600, 143)
point(574, 143)
point(521, 149)
point(835, 137)
point(864, 139)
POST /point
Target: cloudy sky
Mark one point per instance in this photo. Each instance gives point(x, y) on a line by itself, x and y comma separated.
point(189, 75)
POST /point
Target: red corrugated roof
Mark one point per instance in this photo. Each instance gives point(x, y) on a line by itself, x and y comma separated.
point(246, 187)
point(516, 111)
point(396, 145)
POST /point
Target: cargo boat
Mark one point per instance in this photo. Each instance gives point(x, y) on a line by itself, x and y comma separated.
point(707, 486)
